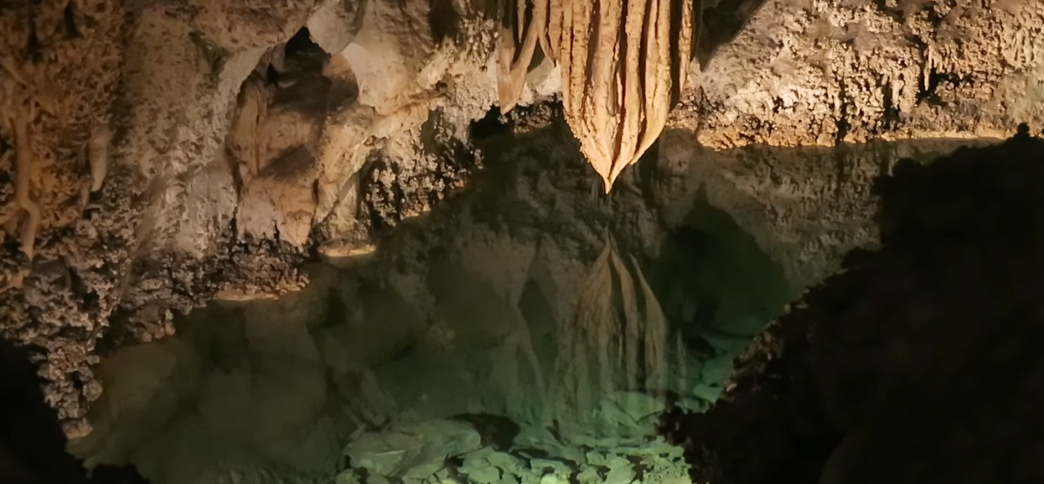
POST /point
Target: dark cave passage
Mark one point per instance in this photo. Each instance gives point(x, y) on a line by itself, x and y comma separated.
point(32, 444)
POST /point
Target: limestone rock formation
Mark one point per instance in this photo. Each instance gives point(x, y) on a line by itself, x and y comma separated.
point(157, 156)
point(624, 66)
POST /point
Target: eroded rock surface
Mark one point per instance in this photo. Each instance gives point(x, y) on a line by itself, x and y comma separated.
point(815, 72)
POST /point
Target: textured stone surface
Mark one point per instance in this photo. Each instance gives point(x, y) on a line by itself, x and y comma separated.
point(815, 72)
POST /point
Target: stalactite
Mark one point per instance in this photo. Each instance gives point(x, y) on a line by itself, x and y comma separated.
point(520, 31)
point(20, 122)
point(98, 155)
point(624, 65)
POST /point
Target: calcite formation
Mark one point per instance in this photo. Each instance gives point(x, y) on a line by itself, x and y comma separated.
point(19, 124)
point(624, 65)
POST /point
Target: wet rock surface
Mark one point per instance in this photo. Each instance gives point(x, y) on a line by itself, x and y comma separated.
point(919, 362)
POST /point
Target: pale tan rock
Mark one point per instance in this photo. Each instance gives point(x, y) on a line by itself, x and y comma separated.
point(521, 29)
point(615, 99)
point(334, 24)
point(210, 199)
point(101, 139)
point(25, 159)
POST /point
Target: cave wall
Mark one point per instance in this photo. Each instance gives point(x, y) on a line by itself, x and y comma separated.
point(131, 110)
point(463, 311)
point(813, 72)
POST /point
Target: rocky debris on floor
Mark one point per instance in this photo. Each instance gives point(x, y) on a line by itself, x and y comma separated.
point(450, 452)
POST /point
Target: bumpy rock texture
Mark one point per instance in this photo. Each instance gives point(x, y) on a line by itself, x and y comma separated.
point(920, 362)
point(158, 155)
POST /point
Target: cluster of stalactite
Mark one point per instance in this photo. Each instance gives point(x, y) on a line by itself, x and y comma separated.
point(623, 65)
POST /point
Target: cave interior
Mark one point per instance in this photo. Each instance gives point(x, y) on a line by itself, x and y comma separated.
point(307, 247)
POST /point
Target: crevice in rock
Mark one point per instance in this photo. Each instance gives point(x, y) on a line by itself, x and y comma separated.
point(842, 124)
point(892, 115)
point(444, 20)
point(929, 93)
point(490, 125)
point(69, 20)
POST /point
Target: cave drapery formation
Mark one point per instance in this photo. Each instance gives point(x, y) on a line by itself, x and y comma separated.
point(156, 157)
point(622, 67)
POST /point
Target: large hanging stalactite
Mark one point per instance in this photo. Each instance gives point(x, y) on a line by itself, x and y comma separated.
point(624, 65)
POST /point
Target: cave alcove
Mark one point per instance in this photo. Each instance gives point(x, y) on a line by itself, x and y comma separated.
point(716, 283)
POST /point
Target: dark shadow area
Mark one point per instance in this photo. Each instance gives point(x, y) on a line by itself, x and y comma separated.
point(714, 278)
point(722, 23)
point(444, 21)
point(921, 362)
point(496, 430)
point(32, 444)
